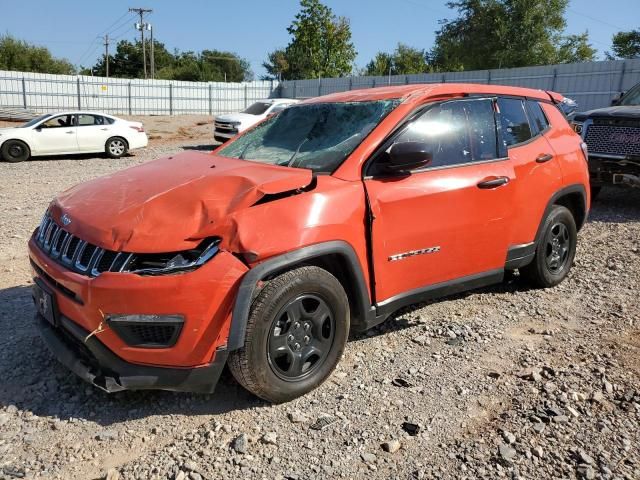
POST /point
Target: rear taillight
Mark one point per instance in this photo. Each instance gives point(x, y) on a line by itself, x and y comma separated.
point(137, 129)
point(585, 151)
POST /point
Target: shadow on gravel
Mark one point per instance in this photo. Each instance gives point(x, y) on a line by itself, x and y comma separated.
point(402, 319)
point(32, 380)
point(616, 205)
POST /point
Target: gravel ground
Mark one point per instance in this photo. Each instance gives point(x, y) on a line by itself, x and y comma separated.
point(504, 382)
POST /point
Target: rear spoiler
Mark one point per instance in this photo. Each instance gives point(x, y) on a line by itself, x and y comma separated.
point(566, 105)
point(555, 97)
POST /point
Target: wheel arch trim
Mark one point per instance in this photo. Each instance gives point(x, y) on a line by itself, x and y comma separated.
point(563, 192)
point(248, 284)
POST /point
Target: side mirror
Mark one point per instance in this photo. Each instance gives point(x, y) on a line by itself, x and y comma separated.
point(407, 156)
point(616, 99)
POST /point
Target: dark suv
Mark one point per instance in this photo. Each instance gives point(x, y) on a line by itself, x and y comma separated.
point(612, 135)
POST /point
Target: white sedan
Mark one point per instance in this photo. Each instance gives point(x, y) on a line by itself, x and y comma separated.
point(71, 132)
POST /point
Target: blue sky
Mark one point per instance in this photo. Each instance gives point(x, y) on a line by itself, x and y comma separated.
point(252, 28)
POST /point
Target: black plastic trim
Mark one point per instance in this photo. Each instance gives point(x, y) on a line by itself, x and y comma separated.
point(249, 283)
point(120, 326)
point(575, 188)
point(437, 290)
point(519, 256)
point(110, 373)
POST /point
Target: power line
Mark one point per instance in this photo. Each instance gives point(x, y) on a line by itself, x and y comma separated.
point(111, 26)
point(119, 27)
point(594, 19)
point(89, 50)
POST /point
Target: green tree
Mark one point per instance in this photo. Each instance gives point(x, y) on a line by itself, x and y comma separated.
point(205, 66)
point(626, 45)
point(382, 64)
point(127, 60)
point(575, 48)
point(277, 65)
point(320, 45)
point(404, 60)
point(505, 34)
point(19, 55)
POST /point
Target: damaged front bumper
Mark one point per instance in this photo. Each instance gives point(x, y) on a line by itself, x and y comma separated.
point(89, 359)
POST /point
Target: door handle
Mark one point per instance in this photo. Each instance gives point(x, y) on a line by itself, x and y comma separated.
point(493, 182)
point(545, 157)
point(104, 129)
point(71, 131)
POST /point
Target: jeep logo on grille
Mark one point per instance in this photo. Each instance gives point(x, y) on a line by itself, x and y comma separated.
point(625, 137)
point(65, 219)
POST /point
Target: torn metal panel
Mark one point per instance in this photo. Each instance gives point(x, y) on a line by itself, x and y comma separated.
point(163, 205)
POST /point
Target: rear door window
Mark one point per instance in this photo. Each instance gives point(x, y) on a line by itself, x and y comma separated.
point(537, 118)
point(514, 121)
point(88, 120)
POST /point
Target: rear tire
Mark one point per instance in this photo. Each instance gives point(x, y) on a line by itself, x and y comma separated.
point(15, 151)
point(296, 332)
point(555, 251)
point(116, 147)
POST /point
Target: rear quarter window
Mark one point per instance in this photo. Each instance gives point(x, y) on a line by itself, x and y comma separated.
point(514, 121)
point(537, 118)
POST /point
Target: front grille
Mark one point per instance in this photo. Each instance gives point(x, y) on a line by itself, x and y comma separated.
point(152, 334)
point(76, 254)
point(225, 127)
point(618, 137)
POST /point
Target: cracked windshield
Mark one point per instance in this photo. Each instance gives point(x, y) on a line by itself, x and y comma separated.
point(317, 136)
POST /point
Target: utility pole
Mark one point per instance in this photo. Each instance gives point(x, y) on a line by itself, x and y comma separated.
point(153, 61)
point(106, 53)
point(141, 26)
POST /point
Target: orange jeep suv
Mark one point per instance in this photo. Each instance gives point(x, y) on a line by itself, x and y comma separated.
point(324, 218)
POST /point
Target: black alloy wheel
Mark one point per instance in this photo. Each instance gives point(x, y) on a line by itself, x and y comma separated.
point(296, 332)
point(301, 337)
point(558, 245)
point(555, 249)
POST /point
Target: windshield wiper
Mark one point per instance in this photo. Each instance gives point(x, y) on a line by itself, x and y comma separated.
point(244, 150)
point(295, 154)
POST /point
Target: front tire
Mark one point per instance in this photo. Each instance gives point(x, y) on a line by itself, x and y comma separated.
point(296, 333)
point(15, 151)
point(555, 251)
point(116, 147)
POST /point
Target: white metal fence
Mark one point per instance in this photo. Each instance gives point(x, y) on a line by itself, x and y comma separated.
point(591, 84)
point(44, 93)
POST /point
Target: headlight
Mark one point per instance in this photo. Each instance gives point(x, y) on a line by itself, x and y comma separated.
point(172, 262)
point(577, 127)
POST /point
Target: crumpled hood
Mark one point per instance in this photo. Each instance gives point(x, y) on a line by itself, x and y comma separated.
point(621, 111)
point(169, 204)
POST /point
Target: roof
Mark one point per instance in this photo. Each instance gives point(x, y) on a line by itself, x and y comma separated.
point(421, 91)
point(77, 112)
